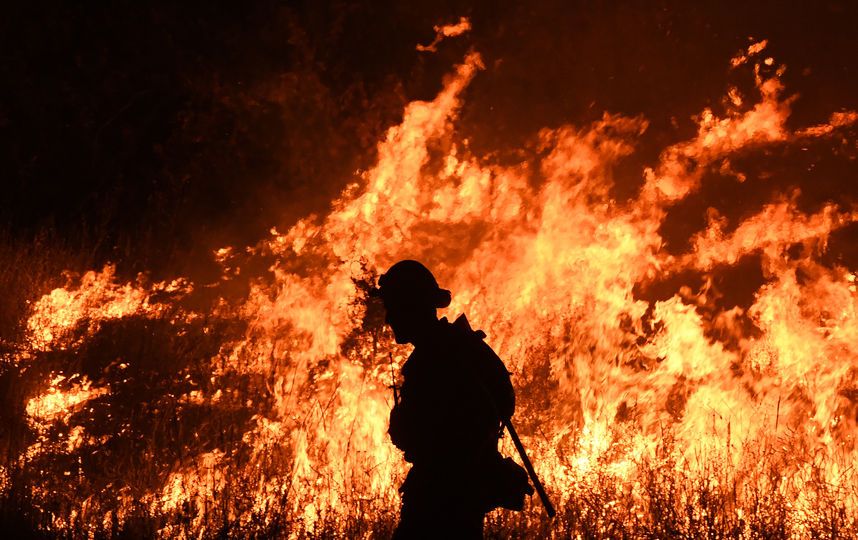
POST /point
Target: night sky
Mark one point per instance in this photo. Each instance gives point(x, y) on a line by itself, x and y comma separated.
point(149, 133)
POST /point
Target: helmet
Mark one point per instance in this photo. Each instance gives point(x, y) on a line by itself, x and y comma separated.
point(410, 282)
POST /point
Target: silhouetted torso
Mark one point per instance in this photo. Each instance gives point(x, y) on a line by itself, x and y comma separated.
point(455, 390)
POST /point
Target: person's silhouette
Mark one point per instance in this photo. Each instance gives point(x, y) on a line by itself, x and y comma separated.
point(455, 391)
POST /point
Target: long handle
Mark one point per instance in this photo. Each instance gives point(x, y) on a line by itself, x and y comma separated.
point(540, 490)
point(393, 381)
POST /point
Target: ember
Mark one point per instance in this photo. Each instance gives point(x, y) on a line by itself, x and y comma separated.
point(654, 403)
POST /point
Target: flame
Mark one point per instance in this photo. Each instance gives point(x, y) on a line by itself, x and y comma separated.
point(614, 389)
point(55, 403)
point(97, 298)
point(445, 31)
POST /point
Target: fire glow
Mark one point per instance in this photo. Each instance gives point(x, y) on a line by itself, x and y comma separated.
point(619, 397)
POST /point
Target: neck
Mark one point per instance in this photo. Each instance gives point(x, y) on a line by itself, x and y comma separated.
point(427, 334)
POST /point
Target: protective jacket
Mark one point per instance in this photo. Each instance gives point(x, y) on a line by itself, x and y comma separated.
point(454, 393)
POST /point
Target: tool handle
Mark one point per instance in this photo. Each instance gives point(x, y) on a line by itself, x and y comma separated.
point(540, 490)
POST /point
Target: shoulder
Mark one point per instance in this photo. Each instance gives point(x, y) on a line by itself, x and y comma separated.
point(460, 334)
point(474, 342)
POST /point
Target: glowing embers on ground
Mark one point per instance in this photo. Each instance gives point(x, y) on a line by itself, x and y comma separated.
point(624, 402)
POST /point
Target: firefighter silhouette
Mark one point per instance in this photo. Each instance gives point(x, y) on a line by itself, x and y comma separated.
point(447, 422)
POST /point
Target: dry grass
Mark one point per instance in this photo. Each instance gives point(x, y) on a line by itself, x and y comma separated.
point(664, 501)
